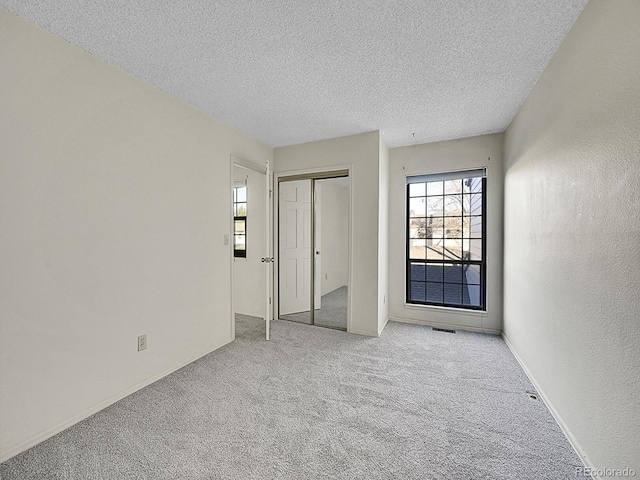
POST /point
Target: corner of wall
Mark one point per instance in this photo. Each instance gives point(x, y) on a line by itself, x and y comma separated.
point(383, 235)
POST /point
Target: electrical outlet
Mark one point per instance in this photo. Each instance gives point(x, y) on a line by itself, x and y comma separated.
point(142, 342)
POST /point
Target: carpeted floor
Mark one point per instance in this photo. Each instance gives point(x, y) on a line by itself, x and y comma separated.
point(320, 403)
point(333, 311)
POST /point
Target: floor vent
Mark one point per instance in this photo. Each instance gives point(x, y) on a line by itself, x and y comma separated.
point(443, 330)
point(533, 395)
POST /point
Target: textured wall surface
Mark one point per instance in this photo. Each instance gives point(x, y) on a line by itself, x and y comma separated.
point(361, 152)
point(450, 156)
point(114, 200)
point(572, 234)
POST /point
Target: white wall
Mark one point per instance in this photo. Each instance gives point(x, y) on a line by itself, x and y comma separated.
point(572, 234)
point(334, 233)
point(114, 200)
point(362, 153)
point(249, 273)
point(383, 237)
point(453, 155)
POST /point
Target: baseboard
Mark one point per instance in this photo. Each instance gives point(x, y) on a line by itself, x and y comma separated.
point(449, 326)
point(563, 426)
point(259, 315)
point(363, 332)
point(50, 432)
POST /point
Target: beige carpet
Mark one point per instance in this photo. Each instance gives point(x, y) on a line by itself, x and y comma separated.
point(320, 403)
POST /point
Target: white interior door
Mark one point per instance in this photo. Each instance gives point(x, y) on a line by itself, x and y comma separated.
point(295, 246)
point(267, 260)
point(252, 273)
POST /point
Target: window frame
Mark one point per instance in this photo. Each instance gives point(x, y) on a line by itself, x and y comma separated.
point(240, 253)
point(481, 263)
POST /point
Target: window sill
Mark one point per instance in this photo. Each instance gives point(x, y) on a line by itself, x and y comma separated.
point(452, 310)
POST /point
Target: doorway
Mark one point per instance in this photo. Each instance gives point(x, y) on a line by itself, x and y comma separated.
point(313, 246)
point(251, 268)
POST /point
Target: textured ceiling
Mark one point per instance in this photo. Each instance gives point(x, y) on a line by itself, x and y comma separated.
point(292, 71)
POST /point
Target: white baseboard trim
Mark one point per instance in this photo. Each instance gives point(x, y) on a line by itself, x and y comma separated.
point(450, 326)
point(256, 315)
point(50, 432)
point(365, 333)
point(563, 426)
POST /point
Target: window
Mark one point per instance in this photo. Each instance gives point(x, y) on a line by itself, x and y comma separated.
point(446, 217)
point(240, 222)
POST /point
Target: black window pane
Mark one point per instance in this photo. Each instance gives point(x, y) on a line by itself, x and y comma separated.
point(435, 206)
point(435, 188)
point(445, 243)
point(417, 248)
point(435, 273)
point(240, 209)
point(435, 249)
point(453, 293)
point(417, 207)
point(475, 204)
point(472, 274)
point(417, 291)
point(239, 242)
point(417, 189)
point(417, 272)
point(453, 186)
point(473, 227)
point(466, 204)
point(418, 228)
point(476, 184)
point(475, 249)
point(434, 292)
point(453, 273)
point(453, 249)
point(473, 296)
point(465, 294)
point(453, 227)
point(435, 227)
point(452, 205)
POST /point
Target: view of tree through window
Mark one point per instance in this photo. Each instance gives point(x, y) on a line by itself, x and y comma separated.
point(445, 244)
point(240, 222)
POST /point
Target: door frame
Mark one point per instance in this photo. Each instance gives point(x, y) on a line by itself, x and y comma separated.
point(236, 161)
point(310, 173)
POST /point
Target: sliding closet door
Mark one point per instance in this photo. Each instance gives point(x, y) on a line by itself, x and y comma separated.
point(331, 251)
point(313, 245)
point(295, 250)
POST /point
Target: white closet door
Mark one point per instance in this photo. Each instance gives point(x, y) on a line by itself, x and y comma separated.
point(295, 246)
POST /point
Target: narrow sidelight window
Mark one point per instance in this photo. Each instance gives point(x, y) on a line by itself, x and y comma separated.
point(446, 225)
point(240, 222)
